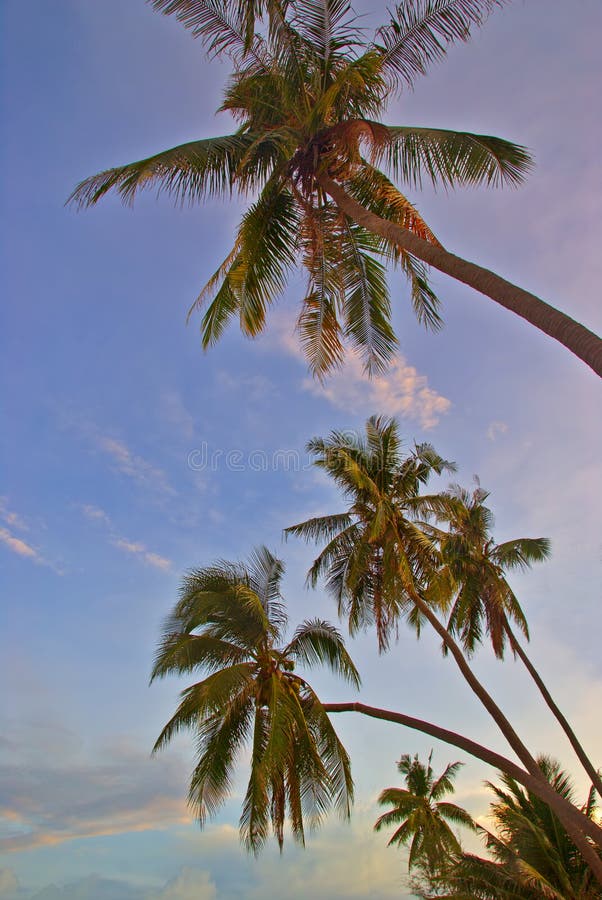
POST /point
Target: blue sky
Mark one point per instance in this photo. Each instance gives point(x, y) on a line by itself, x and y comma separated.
point(109, 403)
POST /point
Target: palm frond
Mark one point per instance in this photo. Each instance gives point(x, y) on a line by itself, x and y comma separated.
point(318, 642)
point(454, 158)
point(220, 32)
point(420, 31)
point(367, 302)
point(188, 173)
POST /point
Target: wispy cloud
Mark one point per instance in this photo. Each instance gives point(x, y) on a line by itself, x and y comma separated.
point(495, 429)
point(135, 548)
point(17, 545)
point(10, 517)
point(402, 391)
point(95, 514)
point(131, 464)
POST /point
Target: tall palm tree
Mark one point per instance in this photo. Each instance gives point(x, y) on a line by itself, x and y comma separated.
point(423, 818)
point(308, 149)
point(484, 602)
point(380, 563)
point(533, 858)
point(229, 623)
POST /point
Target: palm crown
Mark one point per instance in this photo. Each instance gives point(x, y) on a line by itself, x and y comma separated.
point(421, 813)
point(306, 97)
point(482, 598)
point(377, 554)
point(230, 622)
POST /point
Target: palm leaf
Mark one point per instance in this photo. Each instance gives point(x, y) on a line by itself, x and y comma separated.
point(420, 32)
point(453, 158)
point(316, 641)
point(221, 32)
point(188, 173)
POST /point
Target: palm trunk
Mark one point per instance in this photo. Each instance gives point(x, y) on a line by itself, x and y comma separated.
point(575, 822)
point(539, 786)
point(579, 751)
point(575, 337)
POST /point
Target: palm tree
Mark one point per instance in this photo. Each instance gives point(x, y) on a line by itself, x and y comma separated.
point(381, 564)
point(483, 601)
point(421, 814)
point(533, 857)
point(229, 623)
point(308, 149)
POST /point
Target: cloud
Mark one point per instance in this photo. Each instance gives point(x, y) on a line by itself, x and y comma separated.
point(136, 548)
point(402, 391)
point(495, 429)
point(47, 800)
point(132, 465)
point(254, 387)
point(190, 884)
point(95, 514)
point(17, 545)
point(9, 517)
point(8, 882)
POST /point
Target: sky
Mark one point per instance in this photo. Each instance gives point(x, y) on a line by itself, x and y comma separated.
point(129, 455)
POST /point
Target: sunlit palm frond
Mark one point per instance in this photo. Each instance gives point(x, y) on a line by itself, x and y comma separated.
point(453, 158)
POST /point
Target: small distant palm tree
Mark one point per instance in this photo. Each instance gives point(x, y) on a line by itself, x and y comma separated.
point(229, 623)
point(483, 602)
point(423, 818)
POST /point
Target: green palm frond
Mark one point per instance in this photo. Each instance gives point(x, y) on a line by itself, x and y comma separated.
point(220, 31)
point(318, 642)
point(188, 173)
point(204, 698)
point(452, 158)
point(521, 553)
point(367, 302)
point(420, 32)
point(327, 26)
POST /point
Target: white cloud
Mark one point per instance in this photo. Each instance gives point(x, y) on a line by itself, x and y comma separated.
point(402, 391)
point(495, 429)
point(9, 517)
point(190, 884)
point(136, 548)
point(95, 514)
point(132, 465)
point(17, 545)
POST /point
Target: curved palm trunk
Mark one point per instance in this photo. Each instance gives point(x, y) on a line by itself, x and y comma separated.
point(574, 336)
point(538, 786)
point(574, 741)
point(576, 824)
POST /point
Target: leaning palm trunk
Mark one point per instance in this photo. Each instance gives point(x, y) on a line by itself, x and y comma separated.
point(572, 737)
point(584, 343)
point(575, 823)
